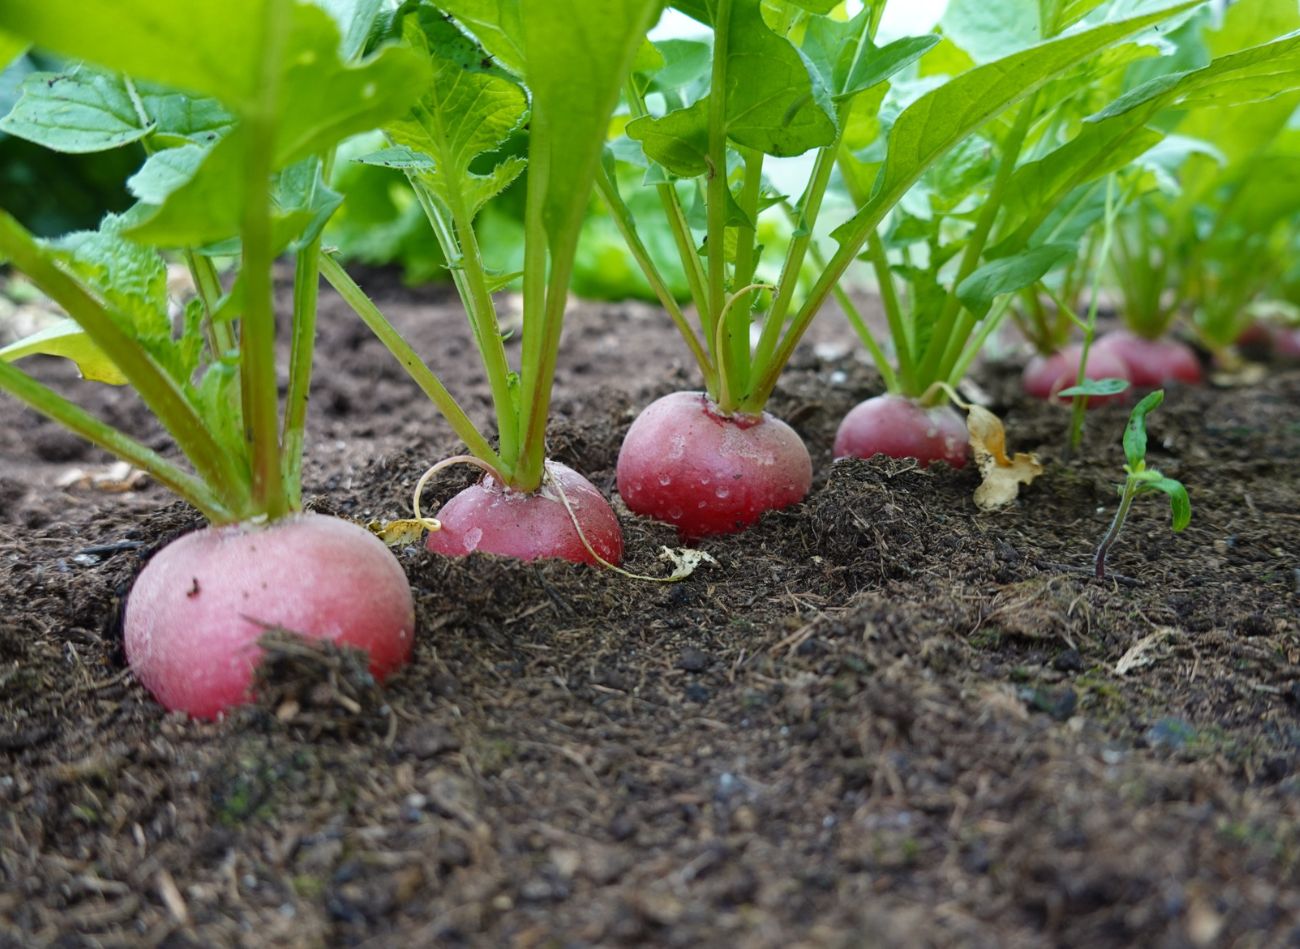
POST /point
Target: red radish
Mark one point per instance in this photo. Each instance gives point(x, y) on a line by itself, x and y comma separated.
point(492, 519)
point(1286, 343)
point(1045, 376)
point(706, 473)
point(197, 609)
point(1151, 362)
point(897, 426)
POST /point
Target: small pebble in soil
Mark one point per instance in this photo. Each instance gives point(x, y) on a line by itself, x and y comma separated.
point(698, 693)
point(1058, 703)
point(1170, 733)
point(693, 660)
point(1068, 660)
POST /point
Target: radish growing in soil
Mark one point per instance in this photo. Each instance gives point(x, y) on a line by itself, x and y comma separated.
point(1151, 362)
point(476, 102)
point(686, 463)
point(779, 101)
point(194, 616)
point(765, 98)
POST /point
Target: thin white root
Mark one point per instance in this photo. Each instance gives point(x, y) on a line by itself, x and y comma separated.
point(447, 463)
point(686, 560)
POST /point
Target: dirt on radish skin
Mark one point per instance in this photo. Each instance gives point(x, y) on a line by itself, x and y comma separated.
point(705, 473)
point(1151, 362)
point(492, 519)
point(196, 611)
point(897, 426)
point(1044, 376)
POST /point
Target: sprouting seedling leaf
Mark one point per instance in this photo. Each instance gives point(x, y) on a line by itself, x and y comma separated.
point(1135, 433)
point(1180, 505)
point(1139, 479)
point(1093, 388)
point(1002, 475)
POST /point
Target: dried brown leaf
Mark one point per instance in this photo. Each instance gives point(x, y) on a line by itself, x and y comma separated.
point(1002, 476)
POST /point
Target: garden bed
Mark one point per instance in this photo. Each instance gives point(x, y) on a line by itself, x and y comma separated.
point(883, 715)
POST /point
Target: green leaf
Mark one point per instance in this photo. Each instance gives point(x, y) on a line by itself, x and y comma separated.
point(849, 63)
point(355, 19)
point(1037, 187)
point(469, 110)
point(577, 56)
point(322, 101)
point(1251, 75)
point(495, 24)
point(944, 116)
point(773, 105)
point(1135, 433)
point(679, 140)
point(989, 31)
point(400, 157)
point(1096, 387)
point(82, 110)
point(69, 341)
point(209, 48)
point(1180, 505)
point(1008, 274)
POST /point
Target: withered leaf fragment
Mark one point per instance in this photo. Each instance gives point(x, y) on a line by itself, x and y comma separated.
point(1002, 476)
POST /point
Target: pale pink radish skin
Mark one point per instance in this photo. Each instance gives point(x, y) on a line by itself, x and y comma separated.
point(1286, 343)
point(684, 463)
point(1151, 362)
point(197, 609)
point(491, 519)
point(897, 426)
point(1045, 376)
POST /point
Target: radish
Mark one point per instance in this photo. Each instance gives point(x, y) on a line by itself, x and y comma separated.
point(900, 427)
point(1045, 376)
point(491, 518)
point(1151, 362)
point(196, 611)
point(707, 473)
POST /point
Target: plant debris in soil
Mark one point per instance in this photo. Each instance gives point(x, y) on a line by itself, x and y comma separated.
point(883, 715)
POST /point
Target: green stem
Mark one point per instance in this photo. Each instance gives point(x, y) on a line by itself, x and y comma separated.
point(75, 419)
point(1116, 524)
point(487, 329)
point(671, 202)
point(809, 208)
point(717, 187)
point(415, 367)
point(208, 287)
point(945, 344)
point(627, 227)
point(991, 322)
point(157, 389)
point(257, 327)
point(746, 264)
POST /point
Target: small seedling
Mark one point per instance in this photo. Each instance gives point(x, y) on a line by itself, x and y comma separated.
point(1142, 480)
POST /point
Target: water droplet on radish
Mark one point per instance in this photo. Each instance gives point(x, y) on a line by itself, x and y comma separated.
point(472, 538)
point(675, 513)
point(722, 492)
point(665, 480)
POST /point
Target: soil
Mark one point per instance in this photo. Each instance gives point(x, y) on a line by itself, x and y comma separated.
point(883, 718)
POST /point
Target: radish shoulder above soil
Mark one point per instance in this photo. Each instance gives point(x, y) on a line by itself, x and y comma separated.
point(1151, 362)
point(706, 473)
point(491, 518)
point(197, 610)
point(1045, 376)
point(899, 427)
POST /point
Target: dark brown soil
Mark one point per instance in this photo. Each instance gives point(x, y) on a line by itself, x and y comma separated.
point(884, 718)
